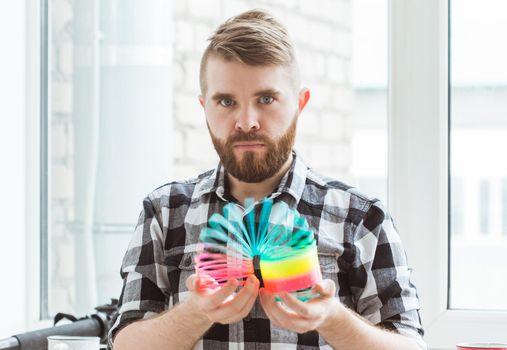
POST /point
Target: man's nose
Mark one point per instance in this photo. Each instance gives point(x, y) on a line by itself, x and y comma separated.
point(247, 119)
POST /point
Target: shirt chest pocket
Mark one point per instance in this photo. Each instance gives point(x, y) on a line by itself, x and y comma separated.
point(186, 268)
point(329, 268)
point(179, 267)
point(328, 263)
point(187, 262)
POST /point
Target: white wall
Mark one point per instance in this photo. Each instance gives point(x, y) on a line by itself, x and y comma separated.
point(12, 163)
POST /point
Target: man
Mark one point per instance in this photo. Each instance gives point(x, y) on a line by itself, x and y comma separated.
point(252, 101)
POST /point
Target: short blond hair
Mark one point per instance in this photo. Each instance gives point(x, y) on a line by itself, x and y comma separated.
point(255, 38)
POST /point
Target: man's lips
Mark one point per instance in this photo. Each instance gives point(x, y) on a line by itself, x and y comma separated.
point(248, 146)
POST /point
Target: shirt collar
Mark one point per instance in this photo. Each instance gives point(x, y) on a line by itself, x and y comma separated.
point(292, 183)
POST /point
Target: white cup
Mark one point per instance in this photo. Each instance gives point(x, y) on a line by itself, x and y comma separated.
point(68, 342)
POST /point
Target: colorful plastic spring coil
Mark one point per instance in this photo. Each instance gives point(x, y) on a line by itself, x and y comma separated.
point(272, 241)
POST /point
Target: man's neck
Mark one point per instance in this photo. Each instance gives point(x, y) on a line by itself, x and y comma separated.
point(258, 190)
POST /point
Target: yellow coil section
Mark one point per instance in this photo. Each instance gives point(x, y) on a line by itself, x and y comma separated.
point(289, 267)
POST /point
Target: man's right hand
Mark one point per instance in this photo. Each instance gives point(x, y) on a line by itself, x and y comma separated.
point(222, 305)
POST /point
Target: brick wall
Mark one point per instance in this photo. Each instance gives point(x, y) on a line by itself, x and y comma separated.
point(321, 33)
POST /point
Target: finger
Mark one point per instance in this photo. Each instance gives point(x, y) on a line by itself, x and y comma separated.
point(290, 320)
point(205, 282)
point(196, 282)
point(296, 305)
point(287, 319)
point(240, 305)
point(269, 305)
point(217, 298)
point(250, 303)
point(325, 288)
point(280, 311)
point(248, 293)
point(191, 282)
point(267, 299)
point(284, 318)
point(231, 315)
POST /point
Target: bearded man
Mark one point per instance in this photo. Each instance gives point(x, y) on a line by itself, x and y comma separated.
point(251, 96)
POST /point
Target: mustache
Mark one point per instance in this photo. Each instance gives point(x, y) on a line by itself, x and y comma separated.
point(247, 136)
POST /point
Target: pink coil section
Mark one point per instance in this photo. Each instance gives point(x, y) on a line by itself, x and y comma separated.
point(215, 269)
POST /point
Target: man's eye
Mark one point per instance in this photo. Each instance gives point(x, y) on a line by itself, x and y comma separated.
point(266, 100)
point(226, 102)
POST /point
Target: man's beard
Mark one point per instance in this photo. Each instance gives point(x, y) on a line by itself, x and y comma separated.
point(252, 166)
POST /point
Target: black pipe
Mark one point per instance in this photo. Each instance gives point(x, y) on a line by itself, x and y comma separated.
point(9, 344)
point(96, 325)
point(37, 340)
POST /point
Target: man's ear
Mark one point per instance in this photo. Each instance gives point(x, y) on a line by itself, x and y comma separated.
point(201, 100)
point(304, 96)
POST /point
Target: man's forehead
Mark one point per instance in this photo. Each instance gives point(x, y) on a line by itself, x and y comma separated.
point(226, 76)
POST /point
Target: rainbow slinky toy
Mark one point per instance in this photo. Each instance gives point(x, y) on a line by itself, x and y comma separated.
point(269, 240)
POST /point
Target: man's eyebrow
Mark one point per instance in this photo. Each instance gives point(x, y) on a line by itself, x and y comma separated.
point(221, 95)
point(267, 92)
point(217, 96)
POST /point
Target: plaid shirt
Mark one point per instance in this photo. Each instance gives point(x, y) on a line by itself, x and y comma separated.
point(358, 247)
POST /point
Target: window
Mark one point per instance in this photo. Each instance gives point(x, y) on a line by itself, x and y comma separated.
point(478, 130)
point(108, 135)
point(423, 177)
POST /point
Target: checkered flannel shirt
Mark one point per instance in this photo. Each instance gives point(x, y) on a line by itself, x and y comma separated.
point(358, 247)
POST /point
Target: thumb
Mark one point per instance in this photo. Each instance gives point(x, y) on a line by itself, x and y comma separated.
point(192, 282)
point(326, 288)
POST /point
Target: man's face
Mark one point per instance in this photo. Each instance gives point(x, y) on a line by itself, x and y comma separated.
point(251, 113)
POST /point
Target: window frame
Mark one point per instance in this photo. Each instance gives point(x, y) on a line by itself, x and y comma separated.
point(37, 24)
point(44, 137)
point(418, 172)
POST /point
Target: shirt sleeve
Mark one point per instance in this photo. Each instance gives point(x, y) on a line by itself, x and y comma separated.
point(145, 292)
point(380, 276)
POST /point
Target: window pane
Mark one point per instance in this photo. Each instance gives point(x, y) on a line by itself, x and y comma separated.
point(478, 134)
point(369, 82)
point(110, 108)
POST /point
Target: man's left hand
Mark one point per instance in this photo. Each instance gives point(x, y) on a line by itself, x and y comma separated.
point(300, 316)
